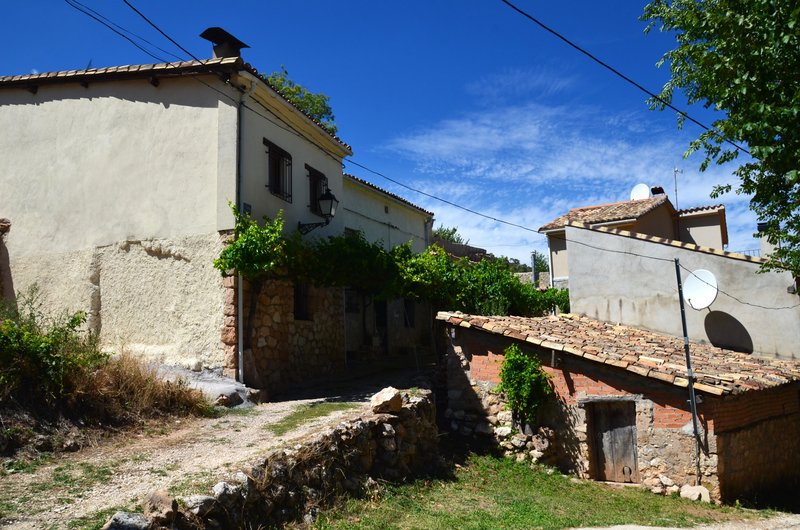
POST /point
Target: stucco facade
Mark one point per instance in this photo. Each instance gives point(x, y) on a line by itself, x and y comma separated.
point(119, 182)
point(616, 276)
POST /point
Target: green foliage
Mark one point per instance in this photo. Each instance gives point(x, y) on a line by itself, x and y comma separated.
point(41, 356)
point(488, 287)
point(742, 59)
point(449, 234)
point(540, 261)
point(315, 105)
point(523, 382)
point(255, 250)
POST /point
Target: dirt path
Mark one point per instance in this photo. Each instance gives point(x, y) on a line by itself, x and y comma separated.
point(190, 458)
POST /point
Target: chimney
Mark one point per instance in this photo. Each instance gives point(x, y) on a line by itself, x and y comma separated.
point(657, 190)
point(225, 44)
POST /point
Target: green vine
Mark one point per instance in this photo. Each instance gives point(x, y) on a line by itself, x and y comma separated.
point(258, 252)
point(524, 383)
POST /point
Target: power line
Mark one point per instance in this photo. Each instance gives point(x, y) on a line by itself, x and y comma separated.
point(187, 52)
point(623, 76)
point(90, 15)
point(129, 32)
point(350, 160)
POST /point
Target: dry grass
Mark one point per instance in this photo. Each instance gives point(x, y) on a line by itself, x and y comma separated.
point(125, 389)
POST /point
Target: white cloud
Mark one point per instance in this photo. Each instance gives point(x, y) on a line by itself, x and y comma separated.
point(517, 82)
point(530, 163)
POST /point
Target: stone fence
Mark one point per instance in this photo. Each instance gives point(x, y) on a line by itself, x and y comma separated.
point(396, 440)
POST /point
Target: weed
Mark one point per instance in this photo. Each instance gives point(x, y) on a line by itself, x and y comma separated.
point(96, 520)
point(201, 481)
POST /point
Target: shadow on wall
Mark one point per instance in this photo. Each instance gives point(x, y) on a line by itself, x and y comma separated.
point(7, 292)
point(725, 331)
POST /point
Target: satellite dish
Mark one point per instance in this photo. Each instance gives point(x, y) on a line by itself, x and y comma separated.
point(700, 289)
point(640, 191)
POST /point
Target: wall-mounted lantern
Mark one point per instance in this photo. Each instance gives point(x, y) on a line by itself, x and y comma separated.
point(327, 207)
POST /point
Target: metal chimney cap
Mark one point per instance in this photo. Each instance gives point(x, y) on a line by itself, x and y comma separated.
point(217, 35)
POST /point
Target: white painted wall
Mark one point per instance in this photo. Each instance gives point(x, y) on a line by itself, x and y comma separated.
point(380, 217)
point(609, 282)
point(117, 192)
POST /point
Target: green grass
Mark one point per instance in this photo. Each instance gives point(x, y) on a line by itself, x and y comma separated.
point(306, 413)
point(98, 519)
point(192, 483)
point(492, 492)
point(25, 466)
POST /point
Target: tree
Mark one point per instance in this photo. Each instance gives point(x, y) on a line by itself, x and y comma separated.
point(449, 234)
point(743, 59)
point(540, 262)
point(315, 105)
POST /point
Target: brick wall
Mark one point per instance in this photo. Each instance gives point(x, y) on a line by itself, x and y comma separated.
point(284, 352)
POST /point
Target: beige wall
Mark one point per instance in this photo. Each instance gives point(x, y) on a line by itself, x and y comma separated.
point(702, 230)
point(616, 286)
point(658, 222)
point(558, 255)
point(117, 192)
point(382, 218)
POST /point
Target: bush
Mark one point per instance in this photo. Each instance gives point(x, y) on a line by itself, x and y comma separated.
point(55, 367)
point(524, 383)
point(40, 357)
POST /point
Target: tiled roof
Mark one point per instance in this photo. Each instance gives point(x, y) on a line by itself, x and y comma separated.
point(697, 209)
point(390, 194)
point(645, 353)
point(178, 68)
point(605, 213)
point(137, 70)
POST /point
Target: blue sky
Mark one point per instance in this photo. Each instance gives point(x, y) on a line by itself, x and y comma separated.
point(464, 99)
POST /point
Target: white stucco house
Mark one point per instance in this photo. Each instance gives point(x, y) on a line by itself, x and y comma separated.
point(118, 182)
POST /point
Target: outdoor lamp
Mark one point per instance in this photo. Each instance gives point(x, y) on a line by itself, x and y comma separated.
point(327, 207)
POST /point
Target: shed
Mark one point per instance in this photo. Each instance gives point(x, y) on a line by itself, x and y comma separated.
point(620, 409)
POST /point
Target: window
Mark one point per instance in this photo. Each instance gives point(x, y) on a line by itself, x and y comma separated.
point(302, 309)
point(317, 185)
point(279, 171)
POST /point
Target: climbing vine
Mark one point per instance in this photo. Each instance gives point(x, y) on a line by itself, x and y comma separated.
point(524, 383)
point(260, 251)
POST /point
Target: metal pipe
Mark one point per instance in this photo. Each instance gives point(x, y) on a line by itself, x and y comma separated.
point(689, 374)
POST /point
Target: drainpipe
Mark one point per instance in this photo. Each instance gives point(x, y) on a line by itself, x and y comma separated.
point(240, 283)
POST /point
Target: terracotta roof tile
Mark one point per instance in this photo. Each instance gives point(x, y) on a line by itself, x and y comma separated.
point(605, 213)
point(646, 353)
point(390, 194)
point(697, 209)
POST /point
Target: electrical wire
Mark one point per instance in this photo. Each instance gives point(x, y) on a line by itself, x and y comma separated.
point(129, 32)
point(350, 160)
point(607, 66)
point(187, 52)
point(90, 15)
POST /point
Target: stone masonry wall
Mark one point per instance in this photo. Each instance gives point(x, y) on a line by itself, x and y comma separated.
point(760, 454)
point(395, 440)
point(284, 352)
point(664, 438)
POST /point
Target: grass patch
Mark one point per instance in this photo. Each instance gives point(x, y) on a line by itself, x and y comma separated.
point(494, 492)
point(199, 482)
point(306, 413)
point(96, 520)
point(25, 465)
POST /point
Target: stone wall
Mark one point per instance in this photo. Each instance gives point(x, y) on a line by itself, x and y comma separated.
point(283, 351)
point(394, 441)
point(664, 440)
point(760, 452)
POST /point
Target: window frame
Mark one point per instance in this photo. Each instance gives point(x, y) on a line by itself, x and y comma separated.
point(317, 185)
point(279, 171)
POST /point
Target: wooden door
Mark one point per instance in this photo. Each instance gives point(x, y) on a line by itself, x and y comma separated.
point(614, 429)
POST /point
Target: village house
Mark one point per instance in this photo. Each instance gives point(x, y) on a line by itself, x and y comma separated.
point(620, 410)
point(119, 182)
point(654, 216)
point(621, 269)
